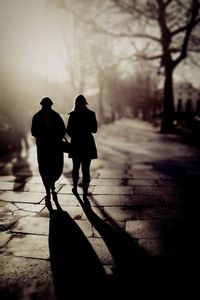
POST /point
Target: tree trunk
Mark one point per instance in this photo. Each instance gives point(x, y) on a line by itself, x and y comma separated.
point(167, 125)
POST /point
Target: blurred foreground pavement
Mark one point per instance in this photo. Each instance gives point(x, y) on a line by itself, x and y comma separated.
point(138, 239)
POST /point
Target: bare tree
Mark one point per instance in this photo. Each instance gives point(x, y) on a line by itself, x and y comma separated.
point(164, 31)
point(107, 70)
point(89, 57)
point(145, 85)
point(77, 38)
point(169, 30)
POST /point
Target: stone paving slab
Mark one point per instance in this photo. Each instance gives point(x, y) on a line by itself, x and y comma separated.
point(108, 200)
point(145, 200)
point(142, 182)
point(35, 179)
point(75, 213)
point(102, 181)
point(126, 200)
point(140, 174)
point(32, 225)
point(33, 187)
point(65, 180)
point(86, 227)
point(24, 278)
point(100, 214)
point(36, 187)
point(102, 251)
point(154, 247)
point(121, 213)
point(4, 238)
point(161, 213)
point(113, 190)
point(139, 166)
point(151, 190)
point(9, 186)
point(23, 213)
point(168, 183)
point(99, 211)
point(7, 219)
point(44, 213)
point(27, 245)
point(67, 189)
point(143, 229)
point(108, 174)
point(7, 207)
point(64, 199)
point(24, 197)
point(7, 178)
point(26, 207)
point(115, 224)
point(139, 229)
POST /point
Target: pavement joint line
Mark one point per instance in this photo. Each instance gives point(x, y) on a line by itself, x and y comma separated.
point(26, 233)
point(27, 257)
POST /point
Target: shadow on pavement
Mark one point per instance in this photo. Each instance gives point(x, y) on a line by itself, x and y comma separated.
point(21, 179)
point(76, 269)
point(185, 175)
point(136, 273)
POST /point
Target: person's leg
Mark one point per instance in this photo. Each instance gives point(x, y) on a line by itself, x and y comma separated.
point(48, 196)
point(47, 186)
point(75, 173)
point(52, 186)
point(86, 176)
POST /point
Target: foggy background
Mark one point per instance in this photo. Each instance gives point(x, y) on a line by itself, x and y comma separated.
point(61, 48)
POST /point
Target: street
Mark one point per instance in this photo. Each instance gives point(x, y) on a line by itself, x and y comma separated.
point(139, 235)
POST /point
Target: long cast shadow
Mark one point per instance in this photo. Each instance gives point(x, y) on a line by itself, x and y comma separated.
point(76, 269)
point(21, 179)
point(186, 175)
point(135, 273)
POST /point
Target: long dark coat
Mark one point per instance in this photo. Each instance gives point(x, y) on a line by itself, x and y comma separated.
point(48, 128)
point(81, 124)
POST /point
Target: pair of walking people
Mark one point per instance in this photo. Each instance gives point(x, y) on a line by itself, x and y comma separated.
point(48, 128)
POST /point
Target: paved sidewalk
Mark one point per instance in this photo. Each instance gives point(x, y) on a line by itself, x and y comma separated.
point(139, 237)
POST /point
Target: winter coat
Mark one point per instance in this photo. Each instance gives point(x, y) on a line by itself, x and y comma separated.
point(81, 124)
point(48, 128)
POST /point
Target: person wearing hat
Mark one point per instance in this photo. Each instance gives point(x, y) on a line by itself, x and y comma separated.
point(48, 128)
point(81, 125)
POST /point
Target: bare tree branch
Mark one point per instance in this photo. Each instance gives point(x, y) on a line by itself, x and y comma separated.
point(183, 28)
point(146, 57)
point(191, 25)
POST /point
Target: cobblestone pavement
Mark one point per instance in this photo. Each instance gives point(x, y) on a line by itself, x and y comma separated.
point(138, 238)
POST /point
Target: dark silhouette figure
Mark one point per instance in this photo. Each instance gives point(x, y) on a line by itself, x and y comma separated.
point(81, 124)
point(48, 128)
point(21, 128)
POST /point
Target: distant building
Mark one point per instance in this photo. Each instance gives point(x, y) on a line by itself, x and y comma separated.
point(186, 98)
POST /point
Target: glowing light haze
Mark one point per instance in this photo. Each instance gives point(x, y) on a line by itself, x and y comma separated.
point(44, 51)
point(31, 37)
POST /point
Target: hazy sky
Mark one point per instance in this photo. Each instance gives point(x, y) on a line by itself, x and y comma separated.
point(30, 37)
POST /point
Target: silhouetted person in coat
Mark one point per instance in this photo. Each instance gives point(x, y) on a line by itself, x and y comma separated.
point(48, 128)
point(81, 124)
